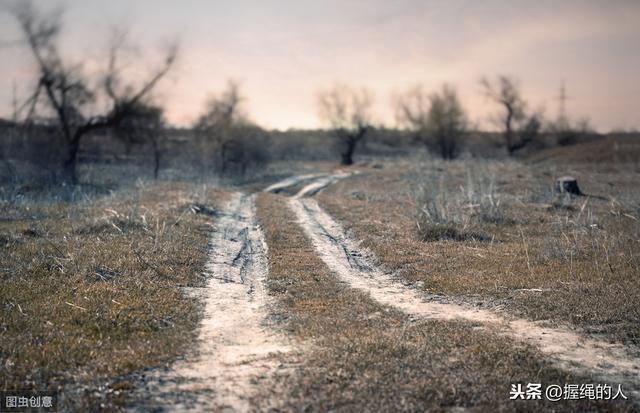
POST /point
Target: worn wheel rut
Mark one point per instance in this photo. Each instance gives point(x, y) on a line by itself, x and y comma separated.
point(318, 184)
point(236, 349)
point(356, 266)
point(292, 181)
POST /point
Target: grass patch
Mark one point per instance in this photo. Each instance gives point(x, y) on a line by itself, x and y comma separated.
point(581, 254)
point(91, 290)
point(371, 358)
point(435, 232)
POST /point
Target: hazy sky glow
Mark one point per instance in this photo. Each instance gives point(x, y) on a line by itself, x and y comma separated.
point(284, 51)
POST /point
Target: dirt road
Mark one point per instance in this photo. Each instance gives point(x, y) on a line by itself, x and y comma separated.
point(356, 266)
point(236, 347)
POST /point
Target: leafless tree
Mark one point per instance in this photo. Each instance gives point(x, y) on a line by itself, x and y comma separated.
point(437, 119)
point(520, 128)
point(223, 110)
point(68, 95)
point(347, 111)
point(225, 124)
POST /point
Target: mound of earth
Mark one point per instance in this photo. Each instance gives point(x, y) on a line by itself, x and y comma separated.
point(613, 149)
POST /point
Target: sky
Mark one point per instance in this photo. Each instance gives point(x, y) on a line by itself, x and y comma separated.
point(283, 52)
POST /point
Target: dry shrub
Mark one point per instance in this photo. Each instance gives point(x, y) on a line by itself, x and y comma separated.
point(447, 211)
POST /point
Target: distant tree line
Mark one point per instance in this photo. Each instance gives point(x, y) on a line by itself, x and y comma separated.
point(439, 121)
point(226, 141)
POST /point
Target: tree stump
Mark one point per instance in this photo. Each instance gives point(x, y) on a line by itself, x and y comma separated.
point(567, 184)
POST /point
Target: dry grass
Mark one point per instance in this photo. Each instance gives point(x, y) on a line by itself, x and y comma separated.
point(370, 358)
point(91, 290)
point(498, 235)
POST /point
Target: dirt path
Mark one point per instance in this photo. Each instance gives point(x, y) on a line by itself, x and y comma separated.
point(292, 181)
point(236, 348)
point(355, 266)
point(317, 185)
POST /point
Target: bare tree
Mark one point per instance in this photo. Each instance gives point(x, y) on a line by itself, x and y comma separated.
point(520, 128)
point(67, 94)
point(347, 111)
point(223, 110)
point(437, 119)
point(225, 124)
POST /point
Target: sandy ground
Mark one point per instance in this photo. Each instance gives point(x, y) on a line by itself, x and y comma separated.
point(318, 184)
point(354, 265)
point(237, 349)
point(291, 181)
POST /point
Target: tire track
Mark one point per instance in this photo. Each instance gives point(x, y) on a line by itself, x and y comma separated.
point(319, 184)
point(236, 349)
point(355, 266)
point(291, 181)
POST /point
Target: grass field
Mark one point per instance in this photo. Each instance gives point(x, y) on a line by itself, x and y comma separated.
point(91, 289)
point(93, 300)
point(368, 357)
point(495, 232)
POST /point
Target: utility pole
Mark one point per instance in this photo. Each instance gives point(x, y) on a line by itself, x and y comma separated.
point(562, 97)
point(15, 102)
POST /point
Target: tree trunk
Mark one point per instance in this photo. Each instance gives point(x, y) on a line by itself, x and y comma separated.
point(447, 147)
point(508, 134)
point(69, 165)
point(156, 155)
point(223, 156)
point(347, 155)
